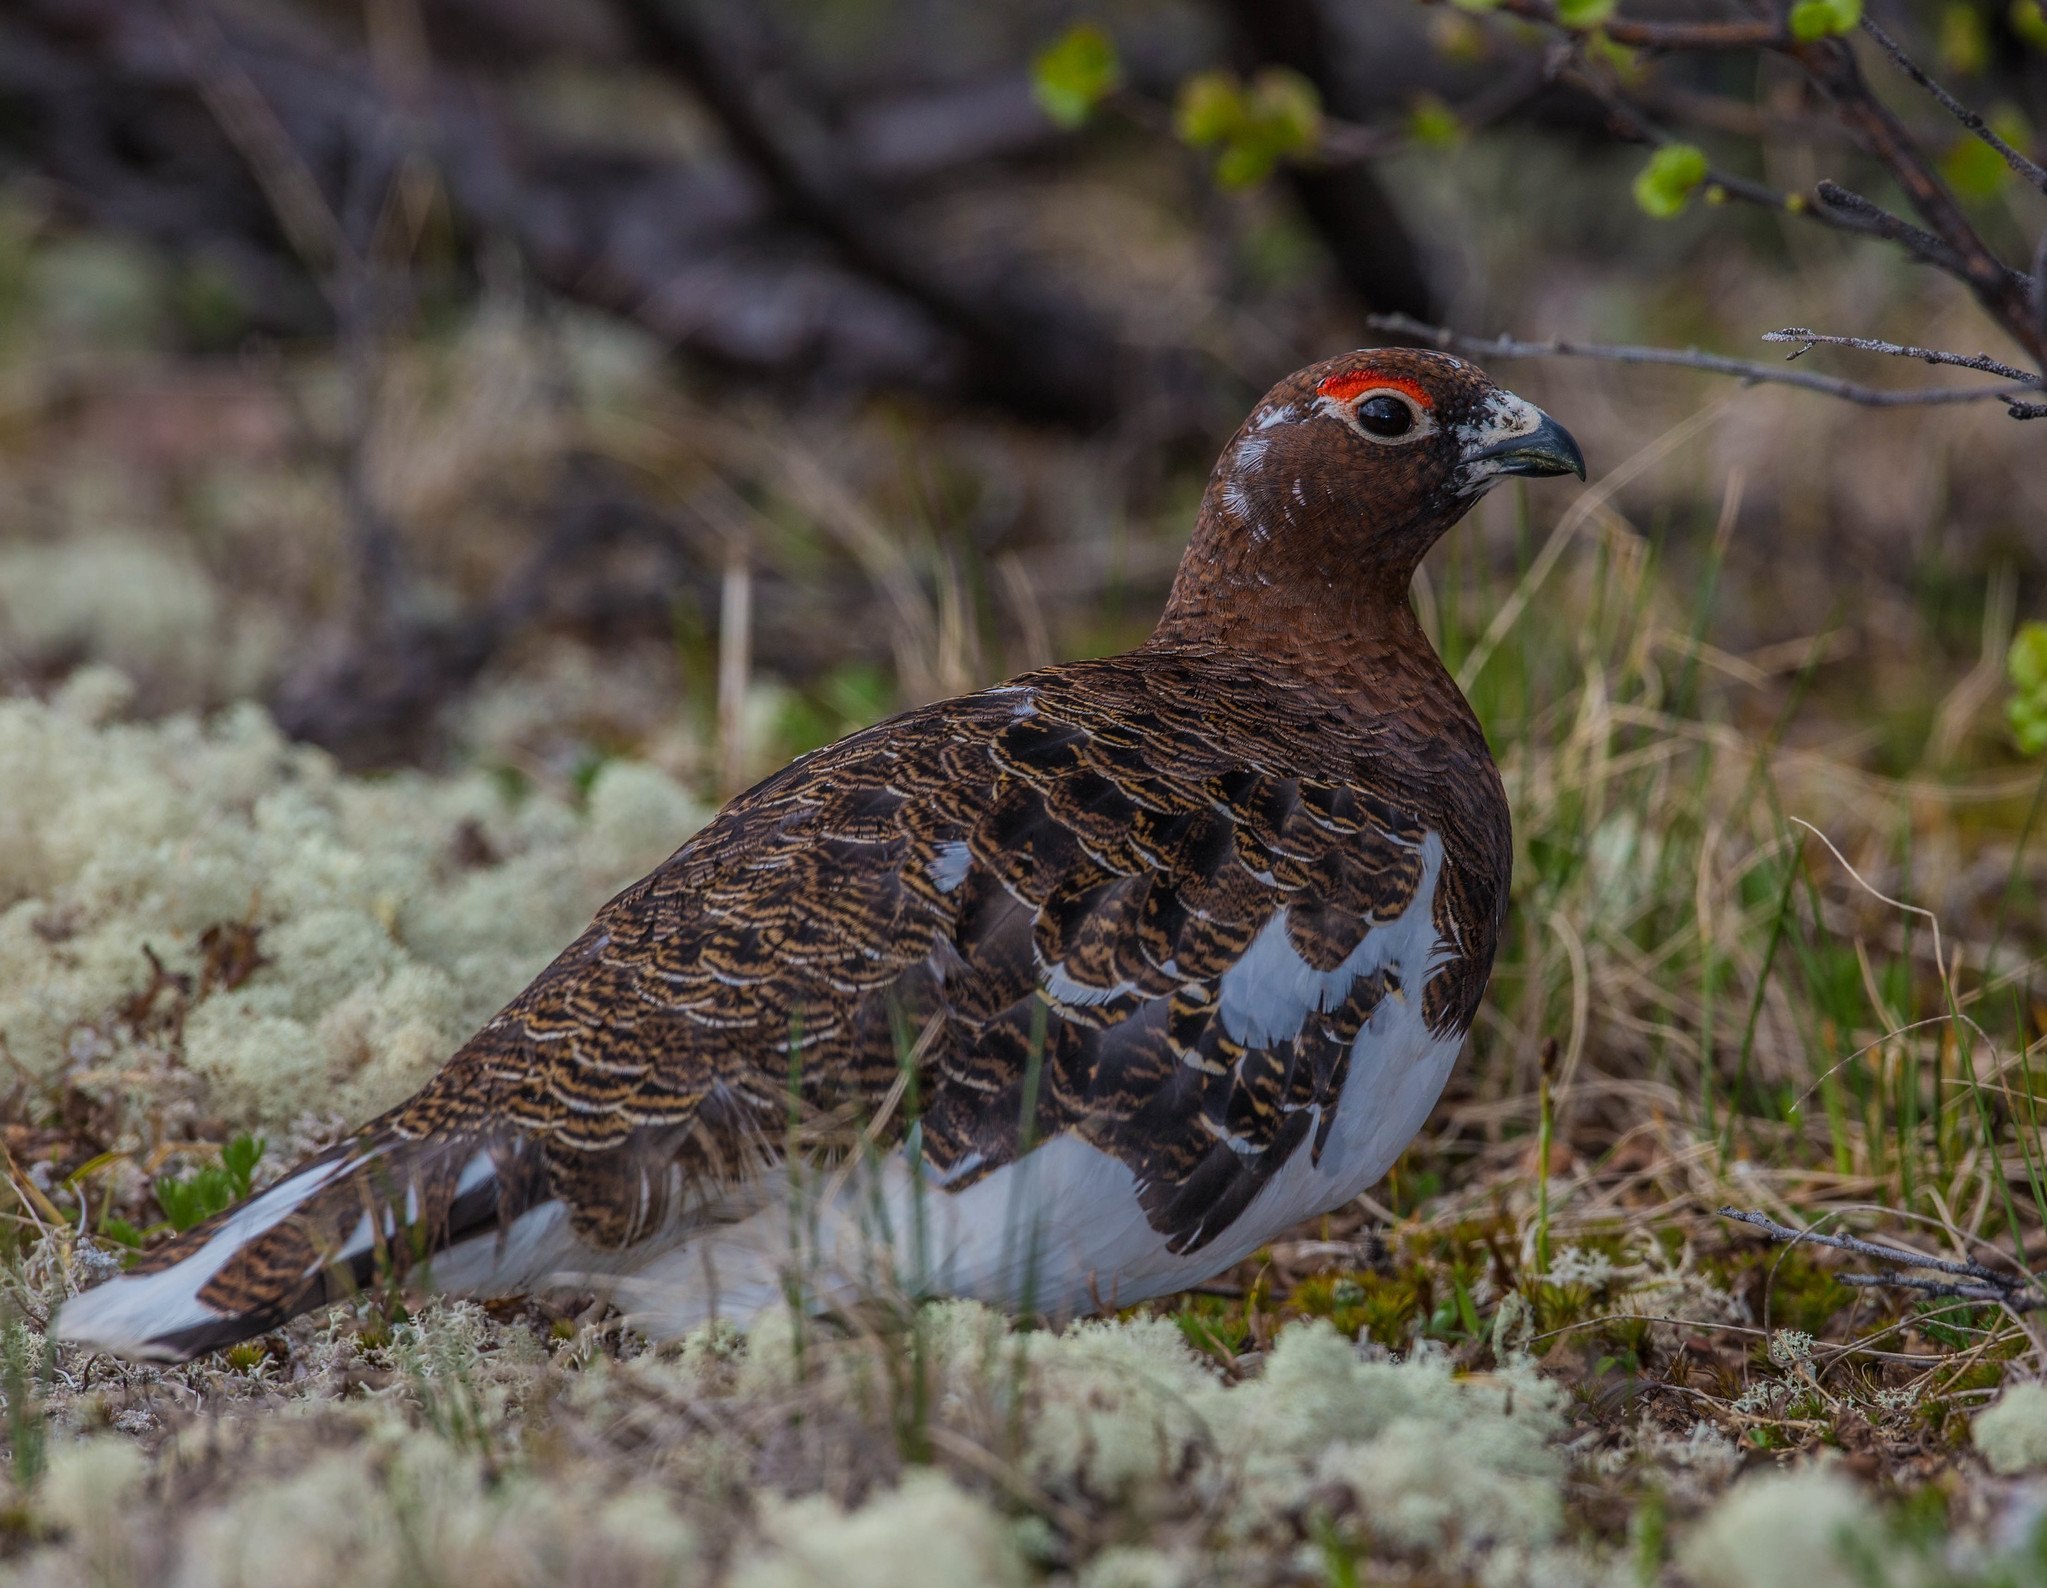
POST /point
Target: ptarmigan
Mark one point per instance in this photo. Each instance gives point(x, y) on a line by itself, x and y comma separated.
point(1064, 994)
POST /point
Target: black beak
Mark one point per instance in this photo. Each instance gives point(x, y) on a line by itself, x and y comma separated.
point(1547, 449)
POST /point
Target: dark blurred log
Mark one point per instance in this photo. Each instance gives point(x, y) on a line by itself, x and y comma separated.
point(1374, 248)
point(105, 101)
point(1027, 351)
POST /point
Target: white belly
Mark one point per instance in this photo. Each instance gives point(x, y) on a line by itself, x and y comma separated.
point(1061, 1231)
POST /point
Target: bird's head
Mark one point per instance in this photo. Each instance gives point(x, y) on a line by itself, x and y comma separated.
point(1349, 470)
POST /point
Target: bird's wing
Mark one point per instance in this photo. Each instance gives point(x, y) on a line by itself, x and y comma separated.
point(1083, 889)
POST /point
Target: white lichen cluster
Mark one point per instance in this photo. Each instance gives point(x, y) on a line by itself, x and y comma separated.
point(385, 1505)
point(2012, 1434)
point(1405, 1460)
point(940, 1449)
point(393, 914)
point(1783, 1530)
point(141, 603)
point(953, 1537)
point(1106, 1454)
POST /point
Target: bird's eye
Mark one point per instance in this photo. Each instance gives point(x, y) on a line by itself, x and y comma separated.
point(1385, 416)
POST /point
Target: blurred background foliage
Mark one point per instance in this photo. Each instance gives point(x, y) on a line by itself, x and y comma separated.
point(358, 355)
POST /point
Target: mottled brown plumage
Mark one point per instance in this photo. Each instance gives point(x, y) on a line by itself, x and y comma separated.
point(1014, 916)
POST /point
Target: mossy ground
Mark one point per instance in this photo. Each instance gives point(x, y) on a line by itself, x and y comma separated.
point(1534, 1354)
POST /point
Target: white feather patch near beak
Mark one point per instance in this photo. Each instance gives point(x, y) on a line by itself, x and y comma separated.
point(1509, 435)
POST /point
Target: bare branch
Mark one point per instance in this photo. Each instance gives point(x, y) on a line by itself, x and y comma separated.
point(1687, 358)
point(2001, 290)
point(1665, 35)
point(1852, 212)
point(1967, 1281)
point(2019, 1302)
point(1349, 142)
point(2035, 174)
point(1949, 240)
point(2037, 291)
point(1896, 1256)
point(1926, 355)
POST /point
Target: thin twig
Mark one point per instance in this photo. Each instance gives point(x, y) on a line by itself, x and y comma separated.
point(251, 126)
point(1665, 35)
point(2035, 174)
point(1926, 355)
point(1850, 211)
point(2015, 1291)
point(2001, 290)
point(2018, 1301)
point(1630, 124)
point(1948, 239)
point(1897, 1256)
point(1680, 358)
point(1354, 143)
point(2037, 290)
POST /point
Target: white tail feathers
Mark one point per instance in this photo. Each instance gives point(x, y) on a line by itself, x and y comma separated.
point(358, 1214)
point(159, 1316)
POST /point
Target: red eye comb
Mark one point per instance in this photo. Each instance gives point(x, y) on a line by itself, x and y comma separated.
point(1346, 386)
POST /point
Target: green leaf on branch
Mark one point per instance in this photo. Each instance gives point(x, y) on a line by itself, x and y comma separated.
point(1252, 127)
point(1287, 109)
point(2026, 665)
point(1974, 169)
point(1076, 73)
point(1964, 43)
point(1824, 19)
point(1666, 184)
point(1584, 14)
point(1624, 62)
point(1433, 124)
point(1241, 166)
point(1209, 109)
point(2029, 21)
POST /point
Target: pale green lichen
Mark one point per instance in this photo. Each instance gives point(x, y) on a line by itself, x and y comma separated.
point(417, 1508)
point(2012, 1434)
point(87, 1485)
point(1431, 1462)
point(936, 1447)
point(1426, 1463)
point(925, 1533)
point(1125, 1566)
point(135, 602)
point(1782, 1530)
point(394, 914)
point(1121, 1410)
